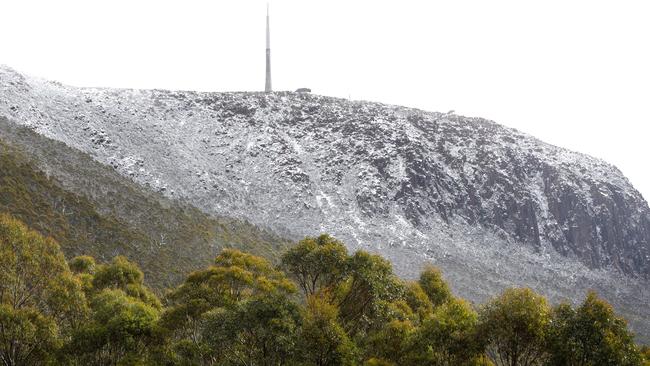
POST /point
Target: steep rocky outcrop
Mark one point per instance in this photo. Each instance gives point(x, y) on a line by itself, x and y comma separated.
point(492, 206)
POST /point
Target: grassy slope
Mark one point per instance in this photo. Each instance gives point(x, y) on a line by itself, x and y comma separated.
point(90, 209)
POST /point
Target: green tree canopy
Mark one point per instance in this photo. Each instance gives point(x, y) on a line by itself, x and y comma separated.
point(392, 343)
point(234, 277)
point(125, 275)
point(434, 285)
point(316, 263)
point(371, 286)
point(418, 300)
point(83, 264)
point(121, 328)
point(449, 336)
point(514, 327)
point(323, 341)
point(28, 336)
point(645, 355)
point(242, 310)
point(590, 335)
point(258, 331)
point(40, 300)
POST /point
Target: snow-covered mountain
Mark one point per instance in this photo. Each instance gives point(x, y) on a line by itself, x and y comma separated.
point(490, 205)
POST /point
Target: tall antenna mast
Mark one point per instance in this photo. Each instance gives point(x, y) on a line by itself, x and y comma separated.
point(267, 87)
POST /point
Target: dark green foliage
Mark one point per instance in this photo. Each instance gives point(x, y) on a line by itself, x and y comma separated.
point(449, 336)
point(393, 342)
point(645, 355)
point(119, 329)
point(434, 286)
point(29, 337)
point(363, 295)
point(40, 300)
point(514, 327)
point(118, 274)
point(418, 300)
point(590, 335)
point(219, 291)
point(322, 340)
point(83, 264)
point(316, 263)
point(377, 362)
point(258, 331)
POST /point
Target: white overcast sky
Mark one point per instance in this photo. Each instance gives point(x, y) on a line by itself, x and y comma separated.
point(573, 73)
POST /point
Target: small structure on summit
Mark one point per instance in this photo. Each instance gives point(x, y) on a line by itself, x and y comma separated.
point(303, 90)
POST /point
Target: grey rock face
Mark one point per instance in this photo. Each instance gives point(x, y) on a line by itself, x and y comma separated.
point(492, 206)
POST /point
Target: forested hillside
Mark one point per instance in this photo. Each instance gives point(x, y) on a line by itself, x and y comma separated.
point(90, 209)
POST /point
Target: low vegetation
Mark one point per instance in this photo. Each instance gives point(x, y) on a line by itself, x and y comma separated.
point(319, 306)
point(95, 211)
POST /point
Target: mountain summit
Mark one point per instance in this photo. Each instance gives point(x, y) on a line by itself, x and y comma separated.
point(490, 205)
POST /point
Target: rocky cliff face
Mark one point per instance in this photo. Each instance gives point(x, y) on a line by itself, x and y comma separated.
point(492, 206)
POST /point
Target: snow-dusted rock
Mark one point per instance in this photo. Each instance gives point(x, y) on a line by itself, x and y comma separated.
point(492, 206)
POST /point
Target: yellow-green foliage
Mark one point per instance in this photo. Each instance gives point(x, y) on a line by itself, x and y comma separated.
point(317, 264)
point(514, 325)
point(434, 285)
point(83, 264)
point(418, 300)
point(40, 300)
point(377, 362)
point(243, 310)
point(591, 334)
point(322, 340)
point(645, 354)
point(449, 335)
